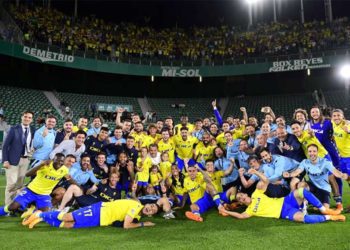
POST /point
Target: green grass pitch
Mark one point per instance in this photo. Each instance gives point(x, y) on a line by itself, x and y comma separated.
point(215, 232)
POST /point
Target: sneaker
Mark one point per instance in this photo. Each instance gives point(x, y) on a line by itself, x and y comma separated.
point(168, 216)
point(31, 218)
point(28, 212)
point(193, 216)
point(338, 217)
point(340, 206)
point(34, 222)
point(329, 211)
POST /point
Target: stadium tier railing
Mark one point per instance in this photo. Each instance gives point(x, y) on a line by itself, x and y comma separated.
point(186, 62)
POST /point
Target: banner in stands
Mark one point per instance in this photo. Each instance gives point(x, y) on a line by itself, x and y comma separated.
point(179, 72)
point(299, 64)
point(47, 56)
point(78, 62)
point(105, 107)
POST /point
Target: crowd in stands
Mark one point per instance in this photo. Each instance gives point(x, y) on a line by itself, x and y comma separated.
point(122, 40)
point(227, 163)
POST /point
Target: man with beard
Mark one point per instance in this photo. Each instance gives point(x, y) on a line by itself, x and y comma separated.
point(287, 144)
point(82, 125)
point(184, 147)
point(204, 150)
point(138, 134)
point(184, 123)
point(95, 127)
point(166, 144)
point(66, 133)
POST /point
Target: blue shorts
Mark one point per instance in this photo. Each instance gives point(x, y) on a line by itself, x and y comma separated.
point(290, 207)
point(344, 165)
point(87, 216)
point(180, 163)
point(205, 203)
point(333, 155)
point(123, 186)
point(180, 198)
point(142, 183)
point(26, 196)
point(224, 198)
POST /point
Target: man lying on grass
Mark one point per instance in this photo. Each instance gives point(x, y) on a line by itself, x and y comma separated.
point(288, 207)
point(116, 213)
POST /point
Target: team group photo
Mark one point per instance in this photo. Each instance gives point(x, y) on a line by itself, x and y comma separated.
point(175, 124)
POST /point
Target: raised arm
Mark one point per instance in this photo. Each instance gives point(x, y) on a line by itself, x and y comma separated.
point(32, 172)
point(230, 168)
point(245, 115)
point(263, 183)
point(217, 113)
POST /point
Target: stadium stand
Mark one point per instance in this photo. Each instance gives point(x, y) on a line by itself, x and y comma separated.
point(281, 104)
point(125, 40)
point(16, 100)
point(175, 107)
point(80, 103)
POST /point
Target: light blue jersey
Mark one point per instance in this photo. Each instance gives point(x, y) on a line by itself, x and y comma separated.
point(280, 164)
point(318, 172)
point(43, 145)
point(82, 177)
point(93, 131)
point(232, 151)
point(266, 170)
point(223, 164)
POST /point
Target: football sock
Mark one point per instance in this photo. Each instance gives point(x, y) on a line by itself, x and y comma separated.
point(310, 197)
point(4, 210)
point(312, 219)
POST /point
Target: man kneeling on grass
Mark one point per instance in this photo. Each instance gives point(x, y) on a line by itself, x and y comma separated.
point(116, 213)
point(288, 207)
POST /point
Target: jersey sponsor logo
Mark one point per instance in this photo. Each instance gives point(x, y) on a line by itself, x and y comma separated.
point(47, 56)
point(256, 206)
point(50, 177)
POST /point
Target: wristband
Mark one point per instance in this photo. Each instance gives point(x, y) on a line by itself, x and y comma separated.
point(142, 224)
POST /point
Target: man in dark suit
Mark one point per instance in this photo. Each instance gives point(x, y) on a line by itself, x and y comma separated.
point(15, 151)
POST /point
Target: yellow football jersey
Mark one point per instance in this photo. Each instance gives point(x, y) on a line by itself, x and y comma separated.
point(221, 140)
point(146, 165)
point(264, 206)
point(148, 140)
point(139, 137)
point(178, 127)
point(169, 147)
point(47, 178)
point(195, 188)
point(342, 139)
point(184, 149)
point(165, 168)
point(155, 178)
point(216, 180)
point(75, 129)
point(177, 188)
point(118, 210)
point(306, 139)
point(206, 151)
